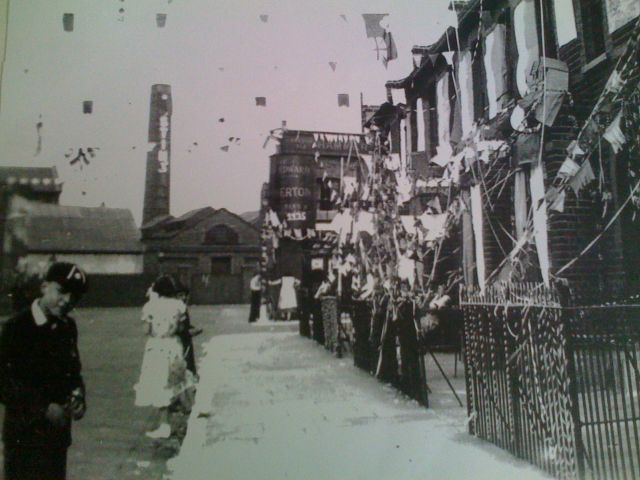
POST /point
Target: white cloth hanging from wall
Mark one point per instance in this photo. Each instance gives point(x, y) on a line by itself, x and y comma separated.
point(443, 109)
point(404, 187)
point(422, 133)
point(407, 269)
point(520, 203)
point(613, 134)
point(364, 223)
point(434, 223)
point(403, 138)
point(524, 19)
point(539, 206)
point(495, 65)
point(465, 80)
point(408, 223)
point(476, 220)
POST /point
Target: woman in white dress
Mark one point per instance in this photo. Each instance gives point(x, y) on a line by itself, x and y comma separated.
point(288, 301)
point(164, 375)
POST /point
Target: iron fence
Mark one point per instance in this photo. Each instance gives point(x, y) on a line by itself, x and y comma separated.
point(555, 385)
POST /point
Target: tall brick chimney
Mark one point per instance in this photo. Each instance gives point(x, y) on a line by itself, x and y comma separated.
point(157, 181)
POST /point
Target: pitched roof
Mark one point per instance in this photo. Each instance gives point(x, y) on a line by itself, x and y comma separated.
point(58, 228)
point(252, 217)
point(252, 225)
point(156, 221)
point(196, 215)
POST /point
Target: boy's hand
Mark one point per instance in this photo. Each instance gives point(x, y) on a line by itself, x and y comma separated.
point(57, 415)
point(78, 407)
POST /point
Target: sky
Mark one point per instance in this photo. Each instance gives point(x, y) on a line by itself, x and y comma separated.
point(217, 56)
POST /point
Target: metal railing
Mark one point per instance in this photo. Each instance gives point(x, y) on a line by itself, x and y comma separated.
point(555, 385)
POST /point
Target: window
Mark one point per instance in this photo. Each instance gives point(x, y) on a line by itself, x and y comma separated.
point(565, 21)
point(325, 189)
point(591, 14)
point(221, 266)
point(220, 235)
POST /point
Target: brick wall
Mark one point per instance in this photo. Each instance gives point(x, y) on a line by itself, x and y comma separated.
point(600, 274)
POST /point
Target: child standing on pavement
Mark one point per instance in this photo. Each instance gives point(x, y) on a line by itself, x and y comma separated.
point(164, 377)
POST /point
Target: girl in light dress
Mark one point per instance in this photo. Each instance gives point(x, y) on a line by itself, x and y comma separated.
point(164, 377)
point(287, 302)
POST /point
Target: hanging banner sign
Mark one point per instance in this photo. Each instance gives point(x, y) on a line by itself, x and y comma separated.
point(293, 189)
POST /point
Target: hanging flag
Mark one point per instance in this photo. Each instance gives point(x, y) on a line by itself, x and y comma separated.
point(264, 18)
point(583, 177)
point(615, 83)
point(558, 202)
point(67, 22)
point(613, 134)
point(574, 150)
point(372, 24)
point(433, 58)
point(343, 99)
point(161, 19)
point(333, 65)
point(391, 52)
point(261, 101)
point(568, 169)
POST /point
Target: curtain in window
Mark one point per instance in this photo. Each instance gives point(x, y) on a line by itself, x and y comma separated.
point(495, 65)
point(539, 206)
point(421, 125)
point(443, 108)
point(524, 20)
point(477, 221)
point(465, 79)
point(520, 203)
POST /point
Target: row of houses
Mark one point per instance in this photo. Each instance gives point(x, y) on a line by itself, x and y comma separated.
point(533, 144)
point(504, 168)
point(502, 90)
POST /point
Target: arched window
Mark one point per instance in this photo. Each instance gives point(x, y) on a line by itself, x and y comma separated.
point(220, 235)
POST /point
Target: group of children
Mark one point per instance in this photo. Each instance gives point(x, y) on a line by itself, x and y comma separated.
point(168, 376)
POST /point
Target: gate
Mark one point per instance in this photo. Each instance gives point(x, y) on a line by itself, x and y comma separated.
point(557, 386)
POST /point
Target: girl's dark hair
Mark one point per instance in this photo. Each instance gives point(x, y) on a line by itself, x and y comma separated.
point(164, 286)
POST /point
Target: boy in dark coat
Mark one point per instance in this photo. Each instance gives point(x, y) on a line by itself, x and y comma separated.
point(40, 380)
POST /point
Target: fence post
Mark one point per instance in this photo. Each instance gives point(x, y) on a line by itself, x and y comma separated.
point(512, 379)
point(573, 391)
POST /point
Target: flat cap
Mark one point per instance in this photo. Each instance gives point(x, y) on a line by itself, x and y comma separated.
point(69, 276)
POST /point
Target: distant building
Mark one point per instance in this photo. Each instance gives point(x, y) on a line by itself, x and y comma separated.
point(103, 241)
point(304, 181)
point(213, 252)
point(40, 184)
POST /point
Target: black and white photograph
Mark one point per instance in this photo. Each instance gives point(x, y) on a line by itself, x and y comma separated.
point(320, 239)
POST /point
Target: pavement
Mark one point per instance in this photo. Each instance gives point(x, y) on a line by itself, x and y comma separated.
point(109, 442)
point(278, 406)
point(270, 405)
